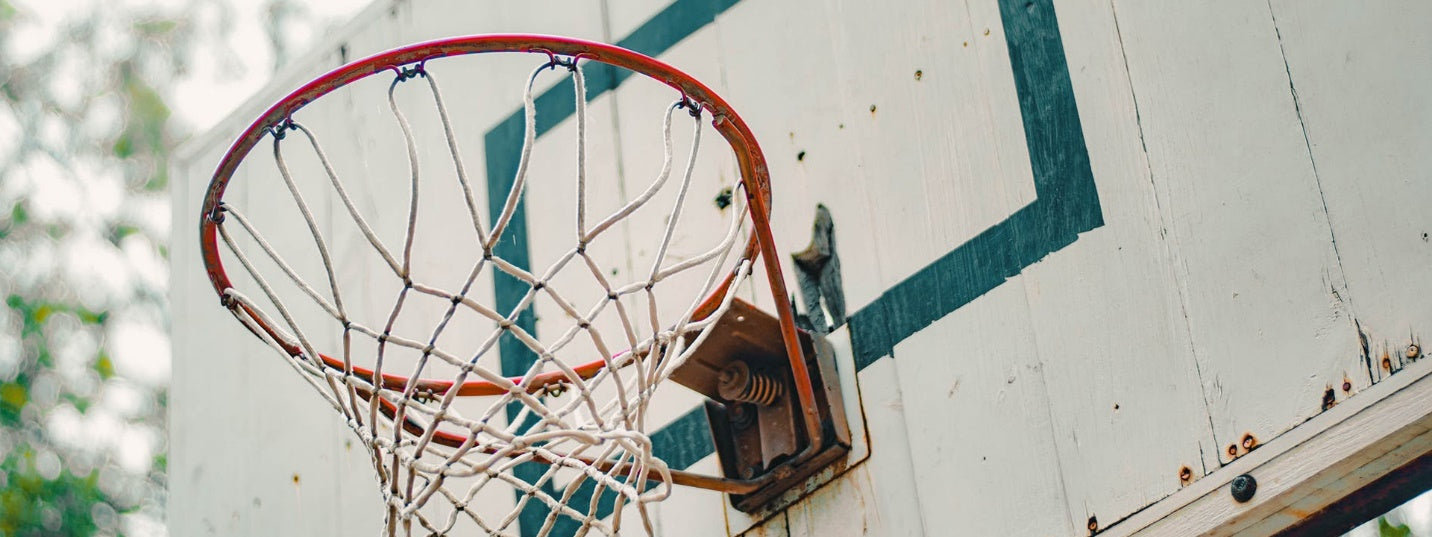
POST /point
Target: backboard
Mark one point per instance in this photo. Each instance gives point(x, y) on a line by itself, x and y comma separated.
point(1097, 260)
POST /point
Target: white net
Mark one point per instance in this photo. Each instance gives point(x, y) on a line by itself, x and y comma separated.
point(475, 443)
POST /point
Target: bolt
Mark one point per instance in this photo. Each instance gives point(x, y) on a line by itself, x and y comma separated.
point(1347, 385)
point(1413, 351)
point(1232, 450)
point(1185, 474)
point(1249, 441)
point(1243, 488)
point(751, 471)
point(743, 415)
point(555, 389)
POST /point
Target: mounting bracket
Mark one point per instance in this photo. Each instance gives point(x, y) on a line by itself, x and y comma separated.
point(756, 420)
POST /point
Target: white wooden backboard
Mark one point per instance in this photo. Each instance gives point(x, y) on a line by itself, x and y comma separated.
point(1099, 257)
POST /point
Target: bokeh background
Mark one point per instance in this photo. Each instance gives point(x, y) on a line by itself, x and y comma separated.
point(94, 96)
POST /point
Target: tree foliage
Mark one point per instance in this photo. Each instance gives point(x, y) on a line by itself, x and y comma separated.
point(85, 134)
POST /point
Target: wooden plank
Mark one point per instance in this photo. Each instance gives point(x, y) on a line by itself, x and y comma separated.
point(1125, 401)
point(1261, 281)
point(776, 526)
point(1312, 466)
point(885, 483)
point(920, 174)
point(975, 402)
point(1358, 74)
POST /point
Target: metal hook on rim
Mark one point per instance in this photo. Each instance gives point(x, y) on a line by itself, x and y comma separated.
point(553, 61)
point(280, 130)
point(692, 107)
point(416, 70)
point(217, 214)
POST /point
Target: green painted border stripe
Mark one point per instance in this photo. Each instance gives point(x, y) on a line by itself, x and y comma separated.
point(503, 145)
point(1066, 205)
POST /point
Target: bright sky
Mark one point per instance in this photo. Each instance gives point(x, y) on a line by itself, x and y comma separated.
point(213, 90)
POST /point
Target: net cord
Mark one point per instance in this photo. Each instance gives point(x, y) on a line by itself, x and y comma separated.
point(537, 432)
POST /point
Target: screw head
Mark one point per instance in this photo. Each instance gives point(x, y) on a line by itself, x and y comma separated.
point(1093, 524)
point(1249, 442)
point(1413, 351)
point(1243, 488)
point(1185, 474)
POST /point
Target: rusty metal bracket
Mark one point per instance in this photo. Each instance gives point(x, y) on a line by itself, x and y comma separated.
point(756, 419)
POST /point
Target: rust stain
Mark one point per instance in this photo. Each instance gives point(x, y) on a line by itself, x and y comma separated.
point(1185, 475)
point(1093, 525)
point(1329, 398)
point(1233, 451)
point(1386, 362)
point(1250, 442)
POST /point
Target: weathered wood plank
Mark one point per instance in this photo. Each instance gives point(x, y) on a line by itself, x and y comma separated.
point(1125, 400)
point(1331, 455)
point(978, 415)
point(1261, 281)
point(1358, 74)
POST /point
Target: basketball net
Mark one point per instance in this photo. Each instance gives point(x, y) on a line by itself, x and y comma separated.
point(568, 437)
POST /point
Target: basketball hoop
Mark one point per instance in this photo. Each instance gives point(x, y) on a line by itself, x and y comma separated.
point(581, 414)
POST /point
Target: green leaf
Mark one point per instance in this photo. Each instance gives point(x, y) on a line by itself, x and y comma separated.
point(13, 397)
point(81, 404)
point(124, 146)
point(104, 366)
point(1386, 529)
